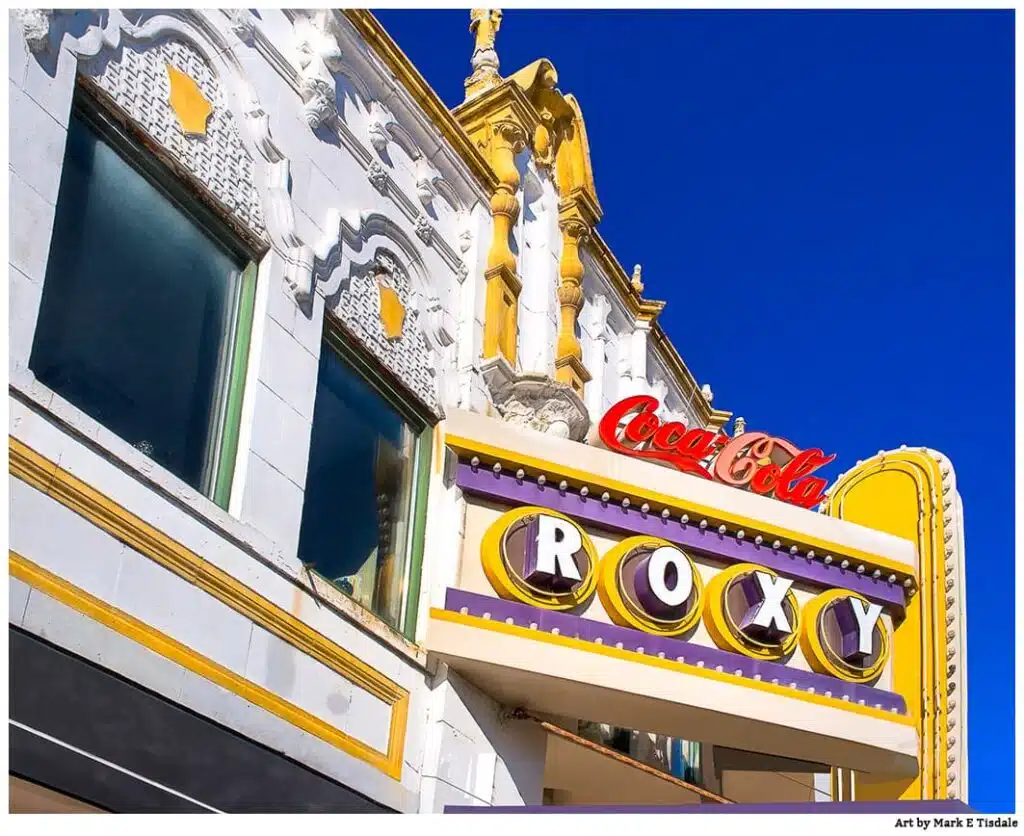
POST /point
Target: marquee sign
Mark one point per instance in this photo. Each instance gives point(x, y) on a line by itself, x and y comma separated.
point(545, 559)
point(759, 462)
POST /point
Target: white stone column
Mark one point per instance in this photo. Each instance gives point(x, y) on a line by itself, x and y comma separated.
point(596, 335)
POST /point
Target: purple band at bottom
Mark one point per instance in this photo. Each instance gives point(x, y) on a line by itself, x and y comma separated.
point(574, 626)
point(883, 808)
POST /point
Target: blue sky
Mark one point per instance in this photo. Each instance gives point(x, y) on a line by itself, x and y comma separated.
point(826, 201)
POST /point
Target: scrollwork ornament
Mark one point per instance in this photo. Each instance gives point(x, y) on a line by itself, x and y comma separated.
point(424, 230)
point(319, 107)
point(512, 133)
point(378, 177)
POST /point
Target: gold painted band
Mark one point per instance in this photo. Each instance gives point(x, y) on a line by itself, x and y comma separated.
point(44, 475)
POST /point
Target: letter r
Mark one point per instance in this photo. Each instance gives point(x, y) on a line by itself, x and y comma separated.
point(557, 542)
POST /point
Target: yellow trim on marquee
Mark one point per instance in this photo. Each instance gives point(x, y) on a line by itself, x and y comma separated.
point(465, 447)
point(900, 493)
point(46, 476)
point(667, 664)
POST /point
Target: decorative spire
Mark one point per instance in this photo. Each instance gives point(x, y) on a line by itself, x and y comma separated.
point(739, 427)
point(484, 24)
point(638, 285)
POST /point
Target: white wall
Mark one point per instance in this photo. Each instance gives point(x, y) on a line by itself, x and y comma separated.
point(474, 755)
point(374, 175)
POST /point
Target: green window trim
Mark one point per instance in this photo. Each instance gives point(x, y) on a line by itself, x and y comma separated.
point(228, 452)
point(419, 527)
point(152, 162)
point(422, 423)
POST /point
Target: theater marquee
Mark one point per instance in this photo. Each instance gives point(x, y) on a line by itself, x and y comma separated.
point(545, 559)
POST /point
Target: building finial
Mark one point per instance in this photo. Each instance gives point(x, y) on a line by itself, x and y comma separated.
point(484, 24)
point(705, 390)
point(739, 427)
point(638, 285)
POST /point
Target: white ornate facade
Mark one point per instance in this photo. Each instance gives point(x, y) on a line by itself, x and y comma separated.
point(372, 212)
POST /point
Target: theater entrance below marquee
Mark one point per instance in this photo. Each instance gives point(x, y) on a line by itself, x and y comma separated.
point(547, 672)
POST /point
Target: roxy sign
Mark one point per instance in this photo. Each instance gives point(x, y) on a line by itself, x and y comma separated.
point(762, 463)
point(545, 559)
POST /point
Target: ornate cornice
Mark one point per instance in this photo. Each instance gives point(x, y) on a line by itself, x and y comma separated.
point(501, 103)
point(407, 75)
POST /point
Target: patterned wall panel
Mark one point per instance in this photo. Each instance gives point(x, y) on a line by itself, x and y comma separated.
point(358, 307)
point(138, 82)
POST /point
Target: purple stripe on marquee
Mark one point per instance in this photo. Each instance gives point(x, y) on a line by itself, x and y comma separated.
point(505, 487)
point(877, 808)
point(573, 626)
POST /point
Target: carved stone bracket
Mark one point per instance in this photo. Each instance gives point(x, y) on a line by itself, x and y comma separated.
point(319, 57)
point(378, 176)
point(536, 401)
point(424, 230)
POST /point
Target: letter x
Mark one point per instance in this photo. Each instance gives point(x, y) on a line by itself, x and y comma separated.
point(769, 615)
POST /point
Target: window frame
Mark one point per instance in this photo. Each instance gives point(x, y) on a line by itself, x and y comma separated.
point(423, 424)
point(94, 107)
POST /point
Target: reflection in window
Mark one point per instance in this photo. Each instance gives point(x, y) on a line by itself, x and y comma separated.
point(358, 510)
point(139, 324)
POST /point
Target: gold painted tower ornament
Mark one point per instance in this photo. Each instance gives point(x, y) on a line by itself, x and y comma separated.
point(484, 24)
point(637, 282)
point(188, 102)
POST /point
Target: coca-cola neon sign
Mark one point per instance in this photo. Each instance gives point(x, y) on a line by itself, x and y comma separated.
point(755, 461)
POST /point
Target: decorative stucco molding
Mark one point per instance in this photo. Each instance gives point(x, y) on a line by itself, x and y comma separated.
point(202, 45)
point(319, 57)
point(35, 27)
point(378, 177)
point(424, 230)
point(536, 401)
point(138, 81)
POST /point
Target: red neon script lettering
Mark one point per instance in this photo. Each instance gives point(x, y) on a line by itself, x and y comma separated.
point(671, 443)
point(764, 464)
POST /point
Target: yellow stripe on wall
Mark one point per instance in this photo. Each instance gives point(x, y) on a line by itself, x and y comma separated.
point(44, 475)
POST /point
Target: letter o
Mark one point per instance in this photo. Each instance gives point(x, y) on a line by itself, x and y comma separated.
point(632, 576)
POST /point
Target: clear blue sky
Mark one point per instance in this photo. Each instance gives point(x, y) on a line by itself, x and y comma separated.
point(826, 200)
